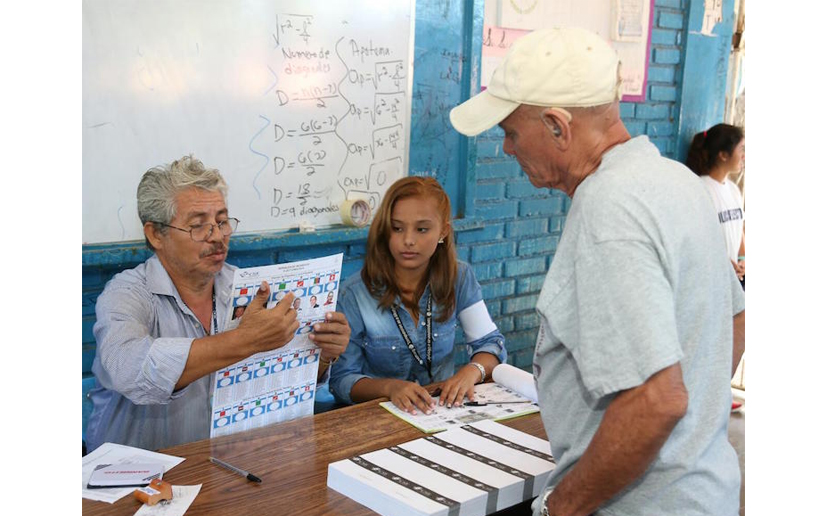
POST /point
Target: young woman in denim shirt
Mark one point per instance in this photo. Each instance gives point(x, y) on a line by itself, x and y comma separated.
point(411, 264)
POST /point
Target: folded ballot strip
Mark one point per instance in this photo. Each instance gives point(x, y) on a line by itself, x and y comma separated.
point(476, 469)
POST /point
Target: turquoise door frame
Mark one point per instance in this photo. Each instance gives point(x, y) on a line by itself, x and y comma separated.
point(705, 74)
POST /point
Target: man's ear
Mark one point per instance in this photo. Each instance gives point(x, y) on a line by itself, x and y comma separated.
point(558, 121)
point(153, 235)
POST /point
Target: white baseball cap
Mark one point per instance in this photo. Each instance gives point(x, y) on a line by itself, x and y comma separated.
point(559, 67)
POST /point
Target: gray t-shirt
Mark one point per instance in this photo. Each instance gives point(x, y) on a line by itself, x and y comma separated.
point(641, 281)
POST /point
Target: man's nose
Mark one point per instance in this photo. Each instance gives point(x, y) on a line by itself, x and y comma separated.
point(216, 235)
point(507, 147)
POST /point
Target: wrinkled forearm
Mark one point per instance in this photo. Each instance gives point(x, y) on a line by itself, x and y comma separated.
point(634, 428)
point(208, 354)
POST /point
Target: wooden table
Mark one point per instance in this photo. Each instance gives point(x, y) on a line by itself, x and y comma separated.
point(291, 458)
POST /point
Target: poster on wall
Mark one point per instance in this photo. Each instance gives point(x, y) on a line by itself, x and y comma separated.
point(627, 20)
point(625, 24)
point(530, 14)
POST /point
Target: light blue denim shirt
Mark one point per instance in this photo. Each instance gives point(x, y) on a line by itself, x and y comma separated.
point(377, 350)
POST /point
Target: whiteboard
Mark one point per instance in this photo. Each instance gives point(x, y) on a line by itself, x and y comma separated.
point(299, 104)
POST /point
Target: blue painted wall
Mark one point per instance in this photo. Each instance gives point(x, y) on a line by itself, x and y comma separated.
point(705, 60)
point(511, 230)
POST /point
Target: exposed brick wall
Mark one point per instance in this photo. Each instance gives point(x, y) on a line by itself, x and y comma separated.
point(657, 117)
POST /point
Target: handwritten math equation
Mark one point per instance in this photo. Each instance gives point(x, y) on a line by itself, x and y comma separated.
point(336, 120)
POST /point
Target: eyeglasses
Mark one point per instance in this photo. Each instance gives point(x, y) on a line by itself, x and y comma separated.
point(202, 232)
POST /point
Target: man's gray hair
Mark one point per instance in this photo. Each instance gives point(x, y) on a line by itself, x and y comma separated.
point(159, 186)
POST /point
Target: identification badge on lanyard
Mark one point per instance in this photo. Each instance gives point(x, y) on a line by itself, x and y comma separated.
point(428, 328)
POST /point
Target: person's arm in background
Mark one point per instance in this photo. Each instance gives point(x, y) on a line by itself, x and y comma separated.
point(738, 340)
point(737, 308)
point(634, 428)
point(740, 264)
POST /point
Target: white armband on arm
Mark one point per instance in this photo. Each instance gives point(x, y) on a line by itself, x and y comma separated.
point(476, 321)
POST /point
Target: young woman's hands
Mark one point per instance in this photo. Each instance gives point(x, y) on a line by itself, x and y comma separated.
point(409, 395)
point(459, 385)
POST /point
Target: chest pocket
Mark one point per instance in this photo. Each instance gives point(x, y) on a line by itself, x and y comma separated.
point(387, 357)
point(443, 340)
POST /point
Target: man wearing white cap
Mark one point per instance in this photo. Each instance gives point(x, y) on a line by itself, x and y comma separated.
point(642, 318)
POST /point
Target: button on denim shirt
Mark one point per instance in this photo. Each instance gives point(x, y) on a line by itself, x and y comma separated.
point(377, 350)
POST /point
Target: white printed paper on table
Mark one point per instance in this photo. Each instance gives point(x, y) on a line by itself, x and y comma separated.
point(443, 418)
point(476, 469)
point(277, 385)
point(110, 453)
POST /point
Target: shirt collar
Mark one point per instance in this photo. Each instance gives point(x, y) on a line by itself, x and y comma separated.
point(421, 301)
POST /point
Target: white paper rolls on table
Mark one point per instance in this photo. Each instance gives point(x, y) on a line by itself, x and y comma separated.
point(514, 378)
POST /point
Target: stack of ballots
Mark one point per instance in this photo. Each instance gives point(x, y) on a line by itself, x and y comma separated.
point(476, 469)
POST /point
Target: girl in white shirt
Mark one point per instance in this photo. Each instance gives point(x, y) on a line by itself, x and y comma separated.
point(713, 155)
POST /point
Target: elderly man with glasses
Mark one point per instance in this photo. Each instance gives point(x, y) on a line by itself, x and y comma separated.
point(159, 328)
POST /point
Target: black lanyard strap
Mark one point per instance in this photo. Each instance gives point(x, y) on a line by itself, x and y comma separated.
point(428, 328)
point(214, 313)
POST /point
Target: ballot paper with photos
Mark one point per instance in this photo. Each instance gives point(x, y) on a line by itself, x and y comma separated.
point(512, 394)
point(442, 417)
point(276, 385)
point(476, 469)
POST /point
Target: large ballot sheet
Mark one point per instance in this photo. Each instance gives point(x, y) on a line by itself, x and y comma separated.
point(277, 385)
